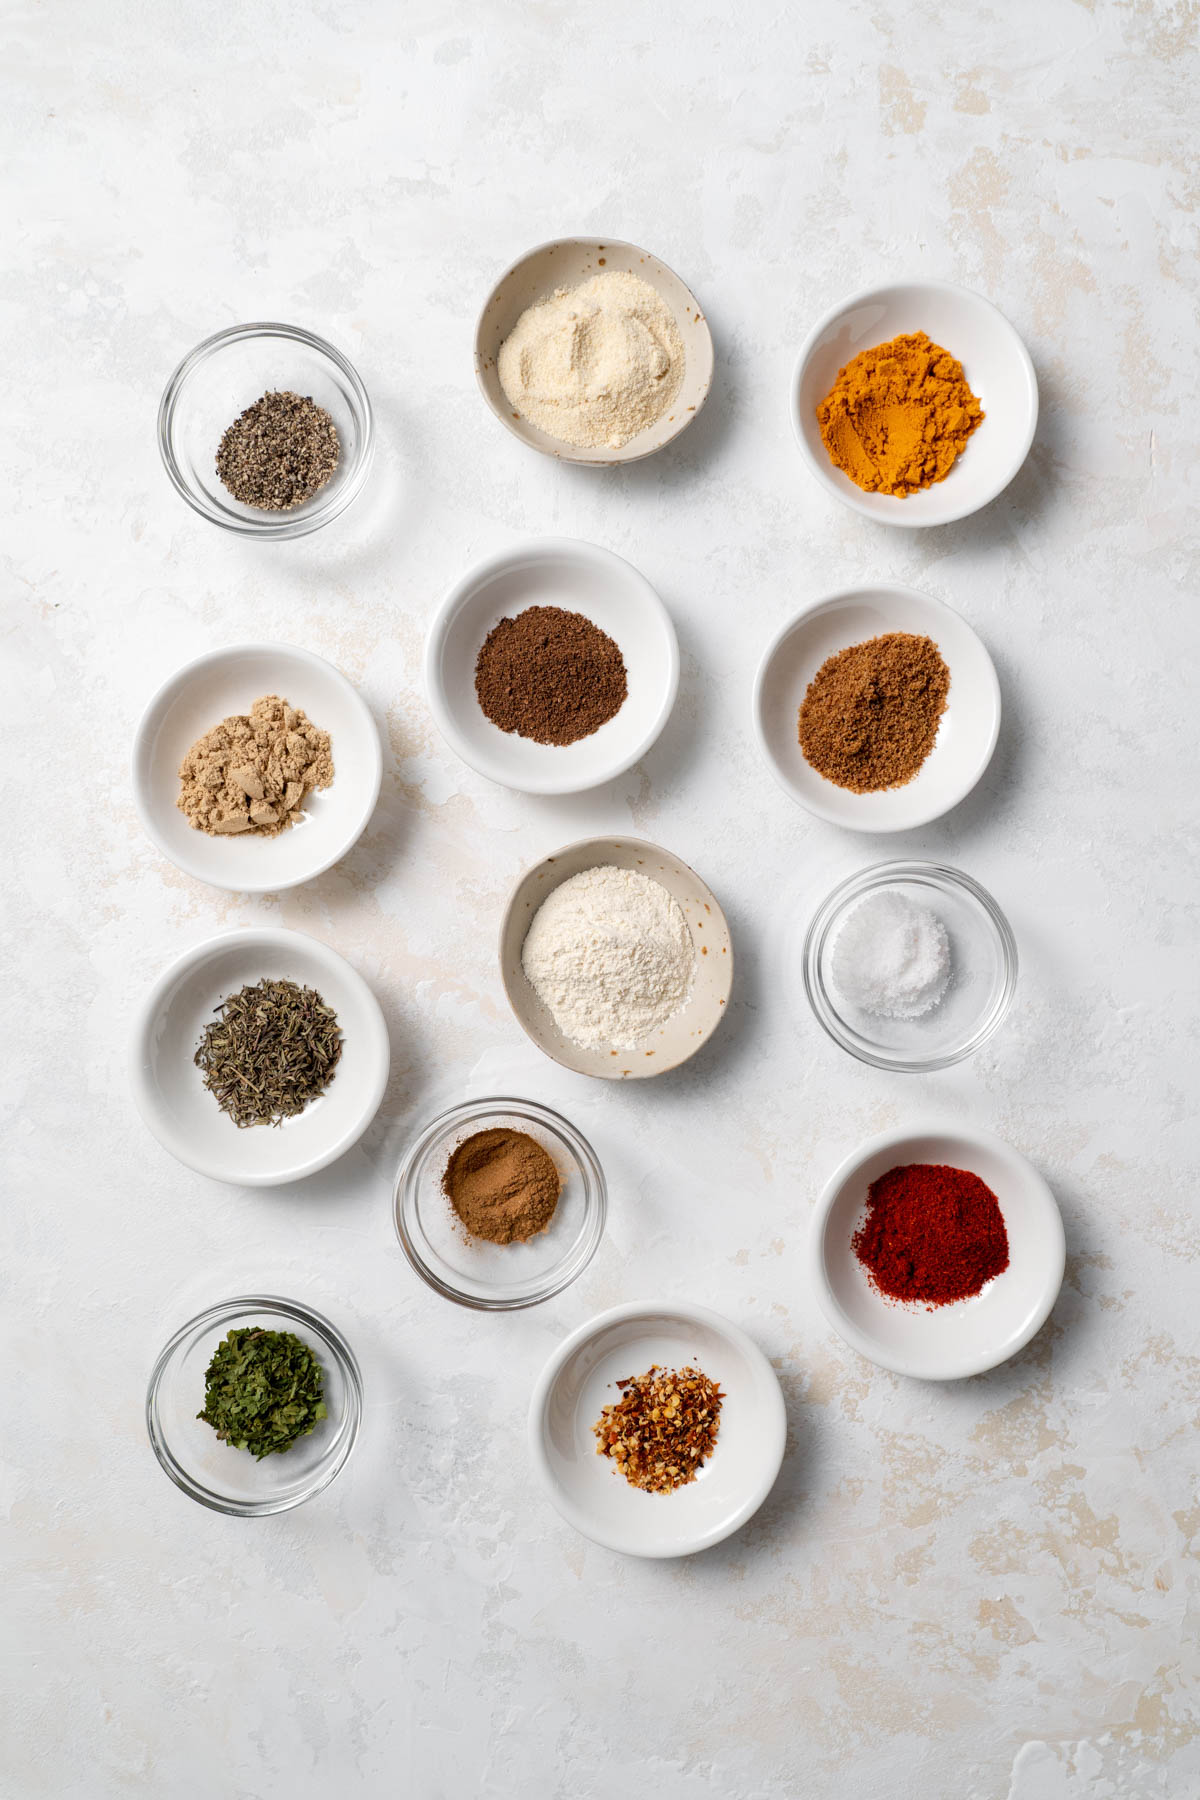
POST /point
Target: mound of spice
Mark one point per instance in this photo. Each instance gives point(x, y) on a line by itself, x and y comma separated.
point(502, 1184)
point(898, 417)
point(550, 675)
point(891, 957)
point(262, 1391)
point(871, 713)
point(932, 1234)
point(595, 364)
point(268, 1051)
point(279, 452)
point(252, 772)
point(663, 1428)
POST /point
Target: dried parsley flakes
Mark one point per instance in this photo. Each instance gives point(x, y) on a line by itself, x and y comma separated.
point(269, 1050)
point(262, 1390)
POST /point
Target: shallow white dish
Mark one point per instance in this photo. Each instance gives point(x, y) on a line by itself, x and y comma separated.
point(579, 1381)
point(581, 578)
point(229, 681)
point(944, 1343)
point(966, 735)
point(564, 263)
point(170, 1091)
point(689, 1028)
point(997, 368)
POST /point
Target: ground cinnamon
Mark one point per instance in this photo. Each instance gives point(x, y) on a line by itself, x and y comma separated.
point(550, 675)
point(871, 713)
point(502, 1184)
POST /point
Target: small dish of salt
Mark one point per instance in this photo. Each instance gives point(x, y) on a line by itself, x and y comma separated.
point(909, 965)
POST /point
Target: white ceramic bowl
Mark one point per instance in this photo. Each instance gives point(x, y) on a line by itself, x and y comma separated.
point(996, 365)
point(682, 1035)
point(566, 262)
point(966, 735)
point(947, 1342)
point(224, 682)
point(170, 1091)
point(579, 1381)
point(580, 578)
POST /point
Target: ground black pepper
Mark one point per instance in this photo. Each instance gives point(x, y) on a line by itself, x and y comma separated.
point(279, 452)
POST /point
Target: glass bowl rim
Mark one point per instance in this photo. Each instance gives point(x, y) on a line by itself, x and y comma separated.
point(573, 1262)
point(864, 881)
point(297, 1313)
point(272, 525)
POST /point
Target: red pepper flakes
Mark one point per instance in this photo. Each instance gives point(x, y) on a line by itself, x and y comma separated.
point(662, 1429)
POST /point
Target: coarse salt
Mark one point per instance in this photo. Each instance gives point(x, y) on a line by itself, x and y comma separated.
point(891, 957)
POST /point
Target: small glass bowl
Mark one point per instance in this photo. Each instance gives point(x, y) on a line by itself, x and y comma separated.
point(214, 1473)
point(499, 1277)
point(222, 377)
point(983, 975)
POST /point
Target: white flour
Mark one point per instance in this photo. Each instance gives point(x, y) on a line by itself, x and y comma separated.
point(595, 364)
point(610, 954)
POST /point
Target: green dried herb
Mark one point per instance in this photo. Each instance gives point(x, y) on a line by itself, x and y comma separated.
point(268, 1051)
point(262, 1390)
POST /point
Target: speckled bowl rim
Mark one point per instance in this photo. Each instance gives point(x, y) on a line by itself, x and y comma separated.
point(561, 1050)
point(568, 453)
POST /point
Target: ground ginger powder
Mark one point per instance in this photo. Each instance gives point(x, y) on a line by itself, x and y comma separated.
point(251, 772)
point(898, 416)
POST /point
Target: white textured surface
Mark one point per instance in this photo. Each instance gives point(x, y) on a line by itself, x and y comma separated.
point(978, 1592)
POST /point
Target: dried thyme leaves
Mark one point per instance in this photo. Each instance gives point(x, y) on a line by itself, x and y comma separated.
point(268, 1051)
point(279, 452)
point(662, 1429)
point(262, 1391)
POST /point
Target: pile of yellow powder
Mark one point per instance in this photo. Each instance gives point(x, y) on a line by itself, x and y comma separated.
point(251, 772)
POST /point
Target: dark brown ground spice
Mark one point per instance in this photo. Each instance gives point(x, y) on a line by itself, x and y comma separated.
point(279, 452)
point(550, 675)
point(871, 712)
point(662, 1429)
point(502, 1184)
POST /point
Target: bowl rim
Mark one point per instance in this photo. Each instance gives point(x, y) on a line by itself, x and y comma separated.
point(271, 937)
point(586, 843)
point(272, 525)
point(173, 685)
point(568, 453)
point(298, 1313)
point(574, 1261)
point(544, 549)
point(856, 499)
point(867, 1346)
point(840, 595)
point(689, 1314)
point(868, 880)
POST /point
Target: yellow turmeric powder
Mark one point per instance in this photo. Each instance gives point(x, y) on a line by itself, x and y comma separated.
point(898, 416)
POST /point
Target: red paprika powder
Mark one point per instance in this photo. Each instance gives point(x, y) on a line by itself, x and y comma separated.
point(932, 1233)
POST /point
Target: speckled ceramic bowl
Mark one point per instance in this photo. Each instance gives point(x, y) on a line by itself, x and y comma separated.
point(682, 1035)
point(565, 263)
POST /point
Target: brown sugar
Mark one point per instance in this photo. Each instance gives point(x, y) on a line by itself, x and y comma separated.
point(550, 675)
point(502, 1184)
point(871, 713)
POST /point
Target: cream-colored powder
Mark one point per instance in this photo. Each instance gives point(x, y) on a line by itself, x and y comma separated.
point(252, 772)
point(594, 365)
